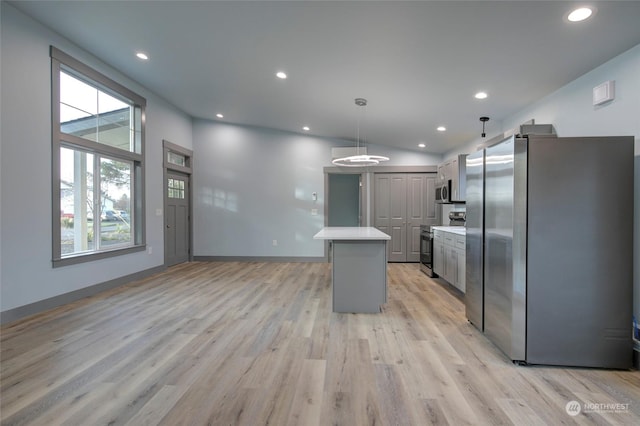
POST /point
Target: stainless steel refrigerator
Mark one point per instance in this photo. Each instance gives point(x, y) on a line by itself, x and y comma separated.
point(550, 249)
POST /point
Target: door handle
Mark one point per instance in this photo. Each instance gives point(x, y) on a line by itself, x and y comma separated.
point(168, 226)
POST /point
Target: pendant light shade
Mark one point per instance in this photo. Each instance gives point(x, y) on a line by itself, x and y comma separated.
point(359, 160)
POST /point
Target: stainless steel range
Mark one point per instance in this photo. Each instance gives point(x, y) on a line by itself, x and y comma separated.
point(426, 250)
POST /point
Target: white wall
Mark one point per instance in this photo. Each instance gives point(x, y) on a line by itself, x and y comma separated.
point(26, 274)
point(571, 111)
point(254, 185)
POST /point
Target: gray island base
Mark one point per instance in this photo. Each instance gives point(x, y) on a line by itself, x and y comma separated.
point(359, 268)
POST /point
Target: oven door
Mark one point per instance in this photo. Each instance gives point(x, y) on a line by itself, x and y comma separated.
point(426, 253)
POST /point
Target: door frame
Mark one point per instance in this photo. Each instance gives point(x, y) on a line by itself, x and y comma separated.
point(364, 196)
point(187, 169)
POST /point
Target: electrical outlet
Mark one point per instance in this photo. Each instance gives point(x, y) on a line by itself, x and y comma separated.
point(149, 250)
point(275, 243)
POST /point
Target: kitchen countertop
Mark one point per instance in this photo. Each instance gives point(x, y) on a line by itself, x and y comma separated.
point(350, 233)
point(459, 230)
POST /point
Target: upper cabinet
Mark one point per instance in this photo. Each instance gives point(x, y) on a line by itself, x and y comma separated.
point(454, 173)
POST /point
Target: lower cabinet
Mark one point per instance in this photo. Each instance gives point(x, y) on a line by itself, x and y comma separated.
point(449, 260)
point(460, 263)
point(438, 253)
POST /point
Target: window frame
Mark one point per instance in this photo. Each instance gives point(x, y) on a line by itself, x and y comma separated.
point(61, 61)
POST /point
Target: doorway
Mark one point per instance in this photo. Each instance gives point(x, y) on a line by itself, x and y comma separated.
point(177, 204)
point(344, 200)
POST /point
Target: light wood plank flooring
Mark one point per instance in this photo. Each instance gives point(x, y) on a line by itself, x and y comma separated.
point(257, 344)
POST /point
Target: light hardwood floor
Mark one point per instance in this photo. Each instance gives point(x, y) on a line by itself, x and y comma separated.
point(257, 344)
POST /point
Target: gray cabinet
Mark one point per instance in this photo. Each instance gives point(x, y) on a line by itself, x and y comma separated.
point(359, 275)
point(455, 171)
point(461, 263)
point(458, 178)
point(449, 260)
point(449, 257)
point(438, 253)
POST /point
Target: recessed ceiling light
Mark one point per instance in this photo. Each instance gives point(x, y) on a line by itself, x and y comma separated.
point(481, 95)
point(421, 145)
point(441, 128)
point(306, 128)
point(219, 115)
point(580, 14)
point(142, 55)
point(281, 75)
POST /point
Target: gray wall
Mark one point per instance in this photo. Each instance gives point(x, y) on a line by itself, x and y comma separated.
point(571, 111)
point(254, 185)
point(26, 274)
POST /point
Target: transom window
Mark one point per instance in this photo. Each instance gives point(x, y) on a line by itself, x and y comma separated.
point(98, 140)
point(177, 159)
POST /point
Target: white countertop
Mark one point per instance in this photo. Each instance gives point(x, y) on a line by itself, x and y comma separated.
point(459, 230)
point(350, 233)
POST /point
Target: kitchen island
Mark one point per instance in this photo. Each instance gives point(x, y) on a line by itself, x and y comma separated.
point(359, 268)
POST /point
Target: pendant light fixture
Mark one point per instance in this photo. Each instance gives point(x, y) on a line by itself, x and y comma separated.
point(359, 160)
point(484, 120)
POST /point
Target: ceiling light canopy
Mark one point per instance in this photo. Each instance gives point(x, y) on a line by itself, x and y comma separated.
point(306, 128)
point(481, 95)
point(359, 160)
point(421, 145)
point(441, 128)
point(281, 75)
point(142, 55)
point(580, 14)
point(219, 115)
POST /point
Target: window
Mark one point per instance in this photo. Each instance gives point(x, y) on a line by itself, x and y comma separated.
point(98, 161)
point(176, 159)
point(175, 188)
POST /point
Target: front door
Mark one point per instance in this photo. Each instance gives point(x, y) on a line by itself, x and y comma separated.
point(177, 217)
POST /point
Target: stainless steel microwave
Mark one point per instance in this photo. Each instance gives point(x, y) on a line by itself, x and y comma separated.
point(443, 191)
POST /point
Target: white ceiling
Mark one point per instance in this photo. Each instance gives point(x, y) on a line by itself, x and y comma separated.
point(418, 63)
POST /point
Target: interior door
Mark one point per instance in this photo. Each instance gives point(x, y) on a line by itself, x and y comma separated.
point(390, 211)
point(177, 217)
point(398, 217)
point(416, 207)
